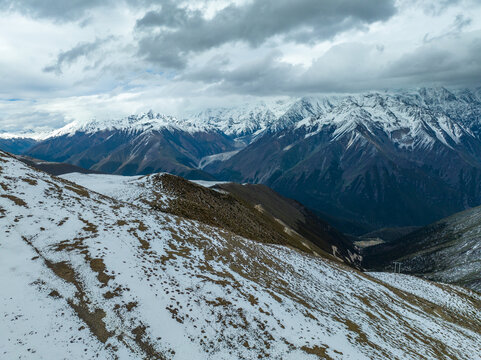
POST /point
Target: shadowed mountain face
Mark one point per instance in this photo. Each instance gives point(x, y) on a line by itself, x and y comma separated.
point(448, 251)
point(379, 160)
point(127, 152)
point(360, 176)
point(16, 145)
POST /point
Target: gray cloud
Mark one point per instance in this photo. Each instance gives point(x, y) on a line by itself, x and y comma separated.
point(19, 119)
point(344, 68)
point(453, 60)
point(68, 57)
point(175, 55)
point(182, 32)
point(60, 10)
point(459, 24)
point(433, 7)
point(461, 21)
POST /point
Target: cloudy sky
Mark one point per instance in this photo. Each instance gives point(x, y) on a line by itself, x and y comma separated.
point(79, 59)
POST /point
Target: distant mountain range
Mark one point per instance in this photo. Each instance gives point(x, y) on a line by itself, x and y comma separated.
point(362, 162)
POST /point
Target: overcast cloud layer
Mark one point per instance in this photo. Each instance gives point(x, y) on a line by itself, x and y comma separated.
point(79, 59)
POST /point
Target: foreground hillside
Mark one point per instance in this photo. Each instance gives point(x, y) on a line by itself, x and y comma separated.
point(84, 276)
point(448, 251)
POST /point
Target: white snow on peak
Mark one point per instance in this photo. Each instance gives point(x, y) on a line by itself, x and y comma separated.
point(417, 118)
point(38, 135)
point(242, 120)
point(149, 121)
point(245, 119)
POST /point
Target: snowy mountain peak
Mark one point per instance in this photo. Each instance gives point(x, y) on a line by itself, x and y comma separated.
point(246, 119)
point(149, 121)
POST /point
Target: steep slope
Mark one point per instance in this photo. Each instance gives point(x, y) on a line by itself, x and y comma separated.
point(296, 217)
point(85, 276)
point(448, 251)
point(390, 159)
point(256, 213)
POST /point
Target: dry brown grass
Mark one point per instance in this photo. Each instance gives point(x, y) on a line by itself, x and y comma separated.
point(226, 211)
point(78, 190)
point(15, 199)
point(29, 181)
point(98, 266)
point(319, 351)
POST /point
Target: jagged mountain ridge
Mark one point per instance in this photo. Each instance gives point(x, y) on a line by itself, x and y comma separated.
point(150, 143)
point(254, 118)
point(102, 277)
point(130, 152)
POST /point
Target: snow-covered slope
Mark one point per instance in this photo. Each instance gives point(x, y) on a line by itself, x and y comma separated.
point(84, 276)
point(130, 189)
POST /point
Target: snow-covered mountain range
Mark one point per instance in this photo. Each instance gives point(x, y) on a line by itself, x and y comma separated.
point(455, 111)
point(383, 158)
point(86, 275)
